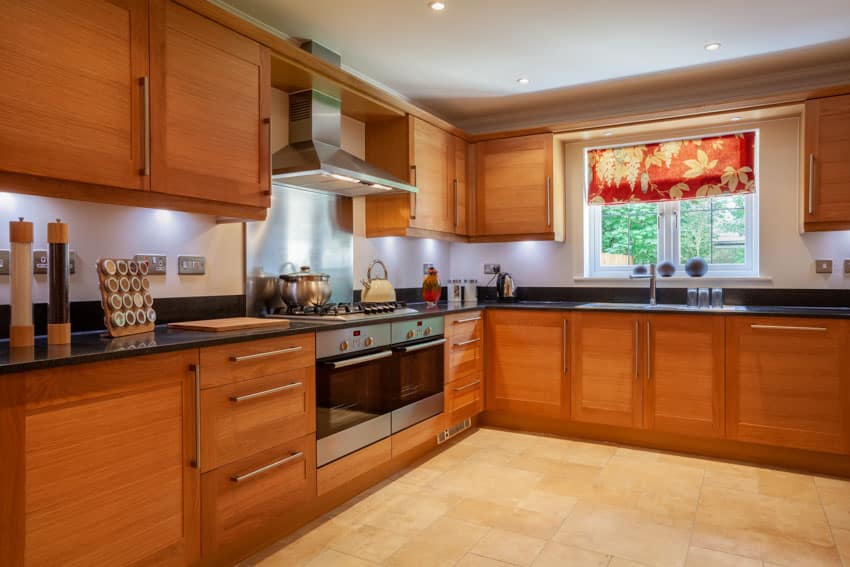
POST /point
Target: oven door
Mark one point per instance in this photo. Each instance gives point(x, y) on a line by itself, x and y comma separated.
point(417, 392)
point(352, 403)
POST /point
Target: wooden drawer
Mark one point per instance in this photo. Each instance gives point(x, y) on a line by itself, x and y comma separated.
point(238, 420)
point(339, 472)
point(465, 326)
point(464, 398)
point(228, 364)
point(243, 498)
point(465, 347)
point(418, 436)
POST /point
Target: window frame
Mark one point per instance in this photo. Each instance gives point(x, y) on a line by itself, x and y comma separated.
point(668, 229)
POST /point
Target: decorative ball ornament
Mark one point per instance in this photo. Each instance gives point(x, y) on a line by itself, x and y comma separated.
point(696, 267)
point(666, 269)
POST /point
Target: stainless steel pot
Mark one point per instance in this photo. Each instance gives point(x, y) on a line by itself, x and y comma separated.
point(305, 288)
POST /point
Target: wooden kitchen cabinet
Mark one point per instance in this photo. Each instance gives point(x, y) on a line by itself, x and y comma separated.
point(460, 185)
point(430, 159)
point(788, 382)
point(109, 452)
point(827, 170)
point(526, 365)
point(72, 99)
point(210, 109)
point(515, 197)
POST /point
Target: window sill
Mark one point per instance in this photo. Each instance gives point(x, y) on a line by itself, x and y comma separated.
point(680, 281)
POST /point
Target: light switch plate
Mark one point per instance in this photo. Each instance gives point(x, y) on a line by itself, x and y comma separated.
point(847, 266)
point(72, 255)
point(158, 263)
point(191, 265)
point(425, 267)
point(39, 261)
point(492, 268)
point(823, 266)
point(4, 262)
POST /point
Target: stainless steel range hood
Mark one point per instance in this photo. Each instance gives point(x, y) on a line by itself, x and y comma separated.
point(314, 160)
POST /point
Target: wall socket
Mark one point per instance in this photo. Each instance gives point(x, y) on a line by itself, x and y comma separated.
point(492, 268)
point(823, 266)
point(4, 262)
point(157, 263)
point(425, 267)
point(191, 265)
point(847, 266)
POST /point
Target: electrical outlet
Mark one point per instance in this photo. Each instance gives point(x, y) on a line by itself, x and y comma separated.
point(846, 266)
point(39, 261)
point(492, 268)
point(191, 265)
point(4, 262)
point(425, 267)
point(823, 266)
point(157, 263)
point(73, 261)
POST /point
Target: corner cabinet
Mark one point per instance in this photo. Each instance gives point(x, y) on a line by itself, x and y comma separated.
point(515, 194)
point(827, 164)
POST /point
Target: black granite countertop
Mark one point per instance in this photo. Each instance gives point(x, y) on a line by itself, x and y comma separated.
point(93, 346)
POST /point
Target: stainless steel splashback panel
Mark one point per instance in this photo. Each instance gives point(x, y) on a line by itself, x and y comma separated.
point(303, 228)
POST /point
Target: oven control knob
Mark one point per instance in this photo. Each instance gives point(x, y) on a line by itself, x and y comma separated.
point(343, 346)
point(369, 341)
point(428, 331)
point(411, 333)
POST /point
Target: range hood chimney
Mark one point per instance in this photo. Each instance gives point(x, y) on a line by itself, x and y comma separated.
point(314, 160)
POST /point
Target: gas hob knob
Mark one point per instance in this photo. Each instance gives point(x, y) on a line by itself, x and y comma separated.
point(411, 333)
point(343, 346)
point(369, 341)
point(428, 331)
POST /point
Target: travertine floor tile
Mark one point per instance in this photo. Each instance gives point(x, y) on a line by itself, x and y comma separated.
point(331, 558)
point(559, 555)
point(303, 545)
point(701, 557)
point(835, 497)
point(517, 520)
point(410, 515)
point(842, 542)
point(548, 503)
point(472, 560)
point(509, 547)
point(368, 542)
point(443, 544)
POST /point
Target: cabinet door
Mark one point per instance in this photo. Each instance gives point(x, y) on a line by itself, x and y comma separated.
point(431, 153)
point(109, 448)
point(606, 370)
point(514, 194)
point(827, 197)
point(684, 386)
point(788, 382)
point(210, 109)
point(71, 105)
point(460, 186)
point(526, 363)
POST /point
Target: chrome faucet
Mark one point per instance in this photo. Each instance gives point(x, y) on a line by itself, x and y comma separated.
point(651, 277)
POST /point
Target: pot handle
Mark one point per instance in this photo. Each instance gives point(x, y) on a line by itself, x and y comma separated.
point(372, 265)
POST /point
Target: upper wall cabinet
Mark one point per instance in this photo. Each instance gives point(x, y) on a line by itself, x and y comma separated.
point(827, 179)
point(515, 195)
point(71, 105)
point(433, 160)
point(209, 109)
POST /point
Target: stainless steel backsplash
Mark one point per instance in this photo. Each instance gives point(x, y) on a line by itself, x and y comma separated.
point(302, 229)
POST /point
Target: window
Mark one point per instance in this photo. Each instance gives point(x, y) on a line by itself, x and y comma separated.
point(721, 229)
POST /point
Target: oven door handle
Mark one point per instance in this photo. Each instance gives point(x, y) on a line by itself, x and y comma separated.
point(414, 348)
point(360, 359)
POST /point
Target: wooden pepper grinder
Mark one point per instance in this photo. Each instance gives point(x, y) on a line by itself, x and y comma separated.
point(21, 331)
point(59, 275)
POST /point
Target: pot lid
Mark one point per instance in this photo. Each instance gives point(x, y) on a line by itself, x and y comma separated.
point(305, 275)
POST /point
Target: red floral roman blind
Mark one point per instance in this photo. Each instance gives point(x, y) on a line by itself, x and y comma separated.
point(672, 170)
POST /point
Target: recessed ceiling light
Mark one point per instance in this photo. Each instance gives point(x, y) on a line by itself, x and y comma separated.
point(735, 119)
point(523, 80)
point(437, 6)
point(713, 46)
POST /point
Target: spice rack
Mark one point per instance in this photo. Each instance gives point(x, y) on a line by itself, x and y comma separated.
point(125, 296)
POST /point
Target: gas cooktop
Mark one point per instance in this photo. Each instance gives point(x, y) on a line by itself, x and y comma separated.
point(344, 311)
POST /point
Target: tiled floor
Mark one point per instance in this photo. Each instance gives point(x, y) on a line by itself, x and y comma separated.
point(499, 498)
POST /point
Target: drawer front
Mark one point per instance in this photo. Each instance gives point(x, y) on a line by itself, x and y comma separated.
point(465, 347)
point(465, 326)
point(241, 419)
point(464, 398)
point(228, 364)
point(336, 474)
point(246, 497)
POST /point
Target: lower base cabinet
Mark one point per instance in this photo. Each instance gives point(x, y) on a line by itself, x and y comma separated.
point(464, 398)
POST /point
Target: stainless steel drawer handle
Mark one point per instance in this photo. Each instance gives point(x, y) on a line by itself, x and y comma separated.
point(360, 359)
point(548, 201)
point(146, 126)
point(788, 328)
point(422, 346)
point(468, 386)
point(811, 183)
point(637, 348)
point(467, 320)
point(290, 459)
point(469, 342)
point(269, 392)
point(197, 370)
point(266, 354)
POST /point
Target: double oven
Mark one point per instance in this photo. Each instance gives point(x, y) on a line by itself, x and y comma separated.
point(374, 380)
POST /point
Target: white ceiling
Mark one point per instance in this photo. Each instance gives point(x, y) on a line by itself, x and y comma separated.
point(474, 51)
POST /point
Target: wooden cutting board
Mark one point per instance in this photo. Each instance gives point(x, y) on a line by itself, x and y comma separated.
point(230, 324)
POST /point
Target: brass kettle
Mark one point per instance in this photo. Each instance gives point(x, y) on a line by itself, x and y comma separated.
point(377, 290)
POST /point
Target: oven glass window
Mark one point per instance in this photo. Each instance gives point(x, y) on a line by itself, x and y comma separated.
point(348, 396)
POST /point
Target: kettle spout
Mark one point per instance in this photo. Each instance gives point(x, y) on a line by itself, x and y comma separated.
point(366, 284)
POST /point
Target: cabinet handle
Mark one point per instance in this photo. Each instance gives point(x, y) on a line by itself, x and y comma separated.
point(421, 346)
point(360, 359)
point(637, 347)
point(246, 397)
point(468, 386)
point(787, 328)
point(413, 201)
point(144, 82)
point(467, 320)
point(457, 205)
point(564, 346)
point(265, 354)
point(548, 201)
point(267, 122)
point(648, 350)
point(811, 183)
point(469, 342)
point(290, 459)
point(197, 370)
